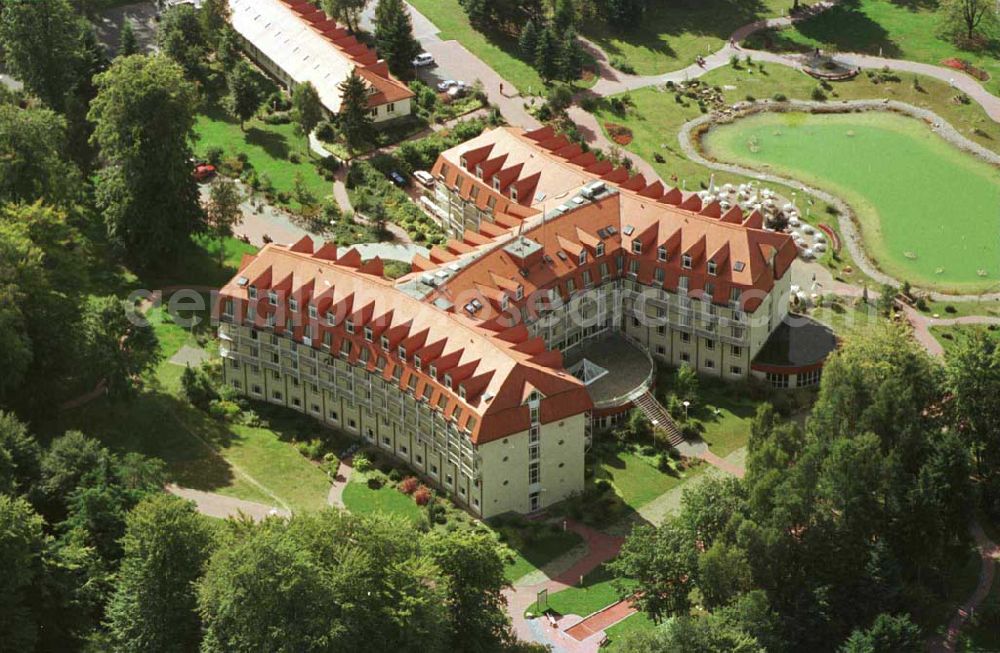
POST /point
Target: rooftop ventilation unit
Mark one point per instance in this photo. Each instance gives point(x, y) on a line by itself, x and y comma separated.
point(593, 189)
point(612, 230)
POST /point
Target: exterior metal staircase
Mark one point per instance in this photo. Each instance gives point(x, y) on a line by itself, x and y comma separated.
point(660, 418)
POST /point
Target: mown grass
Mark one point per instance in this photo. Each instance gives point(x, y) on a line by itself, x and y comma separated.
point(953, 337)
point(597, 592)
point(634, 477)
point(361, 499)
point(672, 34)
point(546, 547)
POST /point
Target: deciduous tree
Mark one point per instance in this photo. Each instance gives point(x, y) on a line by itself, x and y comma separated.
point(246, 93)
point(307, 109)
point(120, 344)
point(223, 212)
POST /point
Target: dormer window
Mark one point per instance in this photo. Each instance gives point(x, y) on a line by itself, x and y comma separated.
point(447, 381)
point(312, 312)
point(712, 268)
point(330, 321)
point(433, 371)
point(369, 334)
point(479, 172)
point(496, 183)
point(384, 341)
point(686, 261)
point(416, 362)
point(252, 292)
point(272, 297)
point(504, 301)
point(401, 352)
point(637, 247)
point(463, 162)
point(583, 257)
point(293, 305)
point(519, 294)
point(600, 249)
point(661, 254)
point(461, 392)
point(513, 194)
point(349, 325)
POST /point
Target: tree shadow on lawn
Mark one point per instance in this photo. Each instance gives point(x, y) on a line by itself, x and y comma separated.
point(849, 30)
point(276, 145)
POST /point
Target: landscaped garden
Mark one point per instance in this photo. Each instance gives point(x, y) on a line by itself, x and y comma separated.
point(913, 227)
point(952, 337)
point(900, 30)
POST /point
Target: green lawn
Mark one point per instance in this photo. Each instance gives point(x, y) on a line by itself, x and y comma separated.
point(901, 30)
point(726, 415)
point(635, 477)
point(847, 318)
point(597, 592)
point(637, 622)
point(927, 213)
point(961, 309)
point(498, 51)
point(672, 34)
point(361, 499)
point(540, 551)
point(951, 337)
point(269, 149)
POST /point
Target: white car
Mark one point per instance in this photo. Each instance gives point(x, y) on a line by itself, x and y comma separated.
point(423, 59)
point(446, 84)
point(424, 177)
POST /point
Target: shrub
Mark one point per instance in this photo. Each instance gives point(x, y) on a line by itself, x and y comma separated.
point(751, 98)
point(376, 483)
point(409, 485)
point(436, 513)
point(214, 155)
point(294, 158)
point(818, 95)
point(623, 64)
point(950, 309)
point(311, 449)
point(362, 463)
point(224, 410)
point(395, 475)
point(780, 97)
point(197, 387)
point(422, 495)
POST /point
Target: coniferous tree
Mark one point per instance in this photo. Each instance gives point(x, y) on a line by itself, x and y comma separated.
point(355, 116)
point(128, 45)
point(245, 92)
point(394, 37)
point(547, 55)
point(528, 41)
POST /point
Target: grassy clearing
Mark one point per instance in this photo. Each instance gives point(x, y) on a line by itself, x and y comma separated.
point(951, 337)
point(900, 30)
point(270, 149)
point(635, 478)
point(849, 319)
point(899, 200)
point(672, 34)
point(635, 623)
point(597, 592)
point(500, 52)
point(542, 549)
point(964, 309)
point(360, 498)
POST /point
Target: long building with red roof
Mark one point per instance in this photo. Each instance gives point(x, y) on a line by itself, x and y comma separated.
point(458, 368)
point(296, 42)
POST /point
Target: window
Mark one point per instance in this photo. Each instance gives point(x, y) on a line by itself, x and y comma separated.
point(682, 284)
point(256, 390)
point(312, 312)
point(228, 308)
point(386, 440)
point(449, 480)
point(403, 449)
point(434, 470)
point(710, 364)
point(416, 362)
point(600, 249)
point(587, 280)
point(369, 334)
point(327, 340)
point(272, 298)
point(534, 473)
point(637, 247)
point(330, 321)
point(252, 292)
point(461, 392)
point(401, 352)
point(779, 381)
point(513, 194)
point(384, 341)
point(391, 107)
point(712, 268)
point(276, 394)
point(686, 261)
point(686, 357)
point(660, 350)
point(604, 270)
point(349, 325)
point(519, 293)
point(583, 257)
point(447, 381)
point(685, 338)
point(420, 459)
point(296, 402)
point(709, 344)
point(633, 267)
point(661, 254)
point(293, 305)
point(233, 363)
point(736, 370)
point(736, 351)
point(570, 286)
point(345, 348)
point(660, 275)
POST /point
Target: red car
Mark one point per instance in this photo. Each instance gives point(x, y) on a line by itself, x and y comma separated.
point(204, 172)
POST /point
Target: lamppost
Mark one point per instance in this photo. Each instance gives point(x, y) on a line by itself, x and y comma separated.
point(686, 404)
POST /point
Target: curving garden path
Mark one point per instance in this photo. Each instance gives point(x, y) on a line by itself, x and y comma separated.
point(990, 553)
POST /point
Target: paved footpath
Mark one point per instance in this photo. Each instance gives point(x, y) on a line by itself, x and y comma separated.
point(223, 507)
point(336, 496)
point(990, 553)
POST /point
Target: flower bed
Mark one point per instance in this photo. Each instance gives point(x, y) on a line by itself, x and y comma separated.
point(966, 67)
point(832, 235)
point(619, 133)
